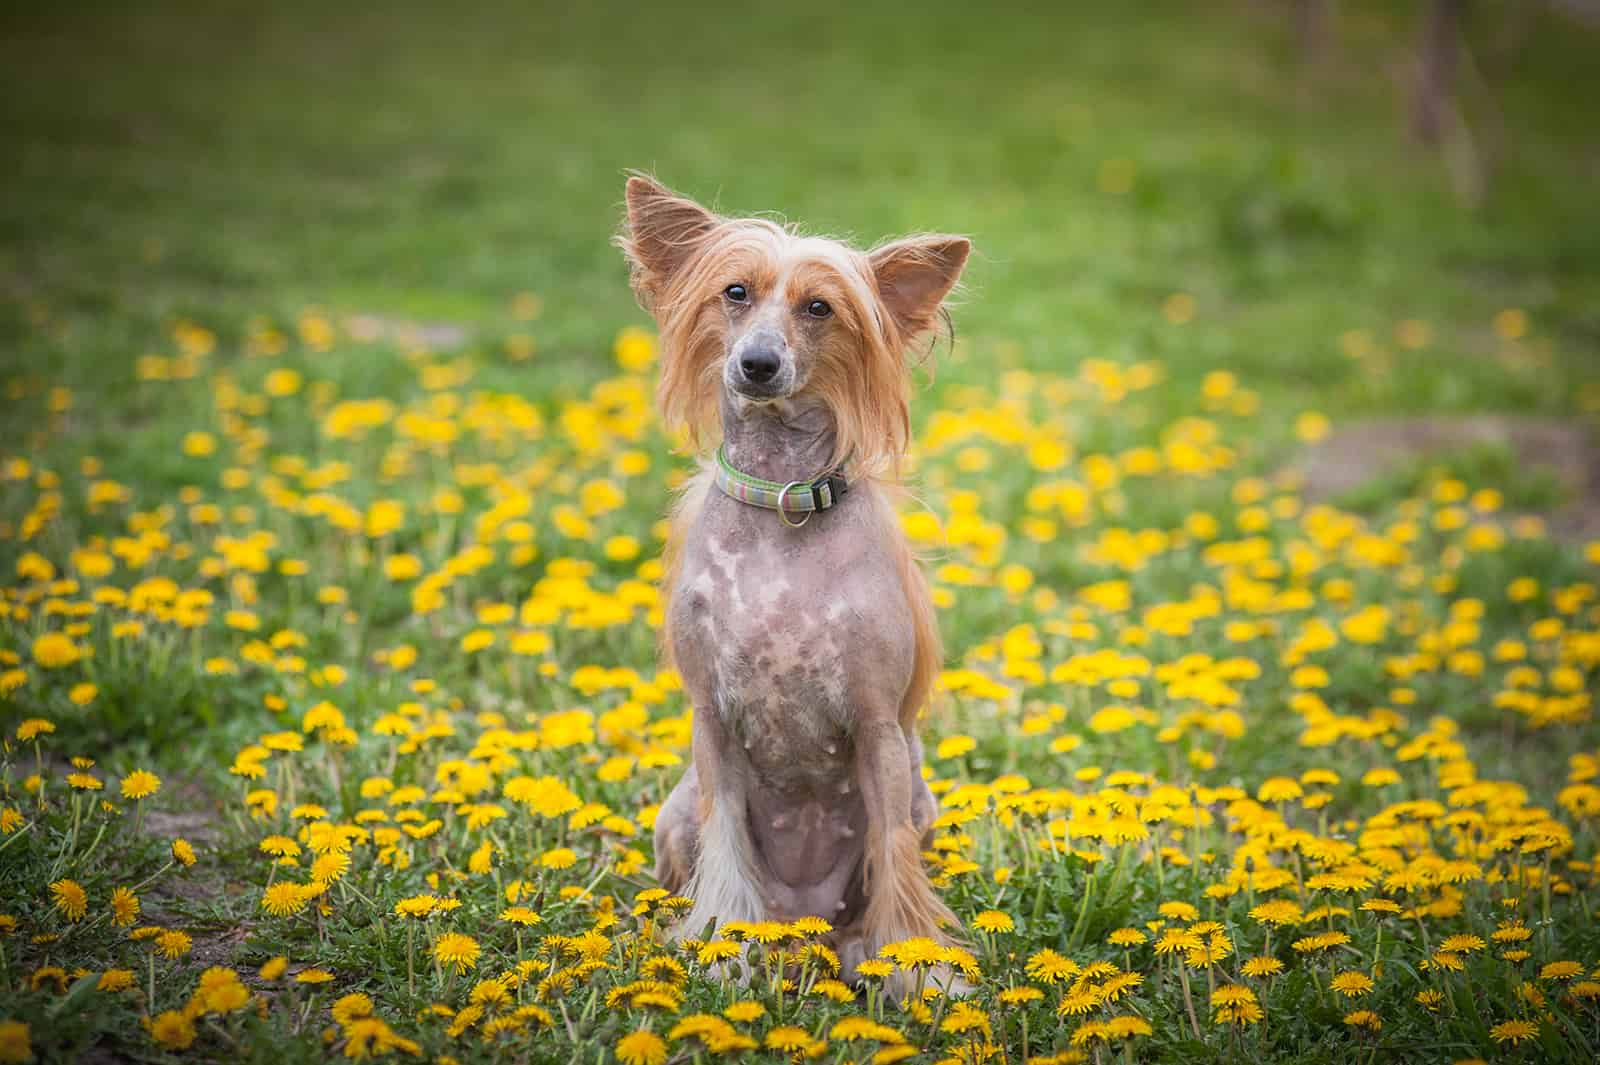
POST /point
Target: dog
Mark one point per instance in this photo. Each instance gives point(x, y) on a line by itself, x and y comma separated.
point(795, 612)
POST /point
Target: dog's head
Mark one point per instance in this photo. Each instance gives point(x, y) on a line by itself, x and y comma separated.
point(753, 310)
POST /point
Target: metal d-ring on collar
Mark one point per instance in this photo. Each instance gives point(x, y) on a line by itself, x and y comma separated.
point(796, 497)
point(783, 512)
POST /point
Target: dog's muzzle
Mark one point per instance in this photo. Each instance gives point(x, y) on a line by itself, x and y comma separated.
point(760, 370)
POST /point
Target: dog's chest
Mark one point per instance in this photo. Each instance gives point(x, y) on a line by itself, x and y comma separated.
point(774, 640)
point(777, 628)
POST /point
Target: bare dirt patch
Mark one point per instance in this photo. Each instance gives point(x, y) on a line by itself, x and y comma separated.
point(434, 336)
point(194, 899)
point(1361, 452)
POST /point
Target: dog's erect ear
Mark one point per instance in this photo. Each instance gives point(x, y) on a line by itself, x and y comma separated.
point(914, 276)
point(662, 231)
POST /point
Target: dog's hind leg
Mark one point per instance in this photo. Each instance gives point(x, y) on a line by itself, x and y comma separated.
point(678, 833)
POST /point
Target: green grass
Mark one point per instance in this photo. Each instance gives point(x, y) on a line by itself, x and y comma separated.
point(189, 186)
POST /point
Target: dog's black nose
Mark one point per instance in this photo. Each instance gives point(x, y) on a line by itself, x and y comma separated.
point(759, 366)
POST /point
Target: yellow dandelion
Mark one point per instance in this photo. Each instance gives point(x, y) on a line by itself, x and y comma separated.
point(744, 1011)
point(124, 907)
point(284, 899)
point(457, 950)
point(172, 1030)
point(70, 899)
point(173, 944)
point(1352, 984)
point(1364, 1019)
point(642, 1047)
point(1263, 967)
point(140, 784)
point(1514, 1032)
point(994, 921)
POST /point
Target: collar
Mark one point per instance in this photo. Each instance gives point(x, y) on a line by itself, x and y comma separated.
point(796, 497)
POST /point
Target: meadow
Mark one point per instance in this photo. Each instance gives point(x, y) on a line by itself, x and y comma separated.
point(331, 499)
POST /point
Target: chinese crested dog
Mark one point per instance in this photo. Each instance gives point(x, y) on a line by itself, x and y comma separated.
point(796, 614)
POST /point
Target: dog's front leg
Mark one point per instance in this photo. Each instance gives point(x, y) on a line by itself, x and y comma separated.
point(727, 882)
point(901, 903)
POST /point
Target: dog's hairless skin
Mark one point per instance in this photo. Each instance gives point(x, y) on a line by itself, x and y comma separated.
point(784, 637)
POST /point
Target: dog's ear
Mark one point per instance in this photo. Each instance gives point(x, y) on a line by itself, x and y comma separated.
point(914, 276)
point(660, 233)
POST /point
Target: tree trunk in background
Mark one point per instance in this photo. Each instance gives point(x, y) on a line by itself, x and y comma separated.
point(1311, 21)
point(1439, 55)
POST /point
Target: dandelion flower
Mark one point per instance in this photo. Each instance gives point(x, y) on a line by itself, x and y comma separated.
point(284, 899)
point(1261, 967)
point(1127, 1026)
point(747, 1010)
point(54, 650)
point(140, 784)
point(173, 944)
point(788, 1038)
point(330, 867)
point(16, 1041)
point(124, 907)
point(33, 728)
point(416, 906)
point(519, 915)
point(1364, 1019)
point(1560, 970)
point(1277, 912)
point(955, 747)
point(1514, 1032)
point(1048, 967)
point(455, 949)
point(993, 921)
point(172, 1030)
point(70, 899)
point(351, 1007)
point(1351, 984)
point(559, 858)
point(643, 1047)
point(111, 981)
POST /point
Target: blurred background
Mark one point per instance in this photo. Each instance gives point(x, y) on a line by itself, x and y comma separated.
point(1366, 207)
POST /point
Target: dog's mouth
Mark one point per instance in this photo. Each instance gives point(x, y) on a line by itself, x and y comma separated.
point(758, 392)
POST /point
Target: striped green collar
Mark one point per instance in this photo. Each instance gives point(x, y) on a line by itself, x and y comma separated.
point(796, 497)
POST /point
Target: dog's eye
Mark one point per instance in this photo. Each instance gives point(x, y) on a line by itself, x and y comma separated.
point(737, 293)
point(818, 309)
